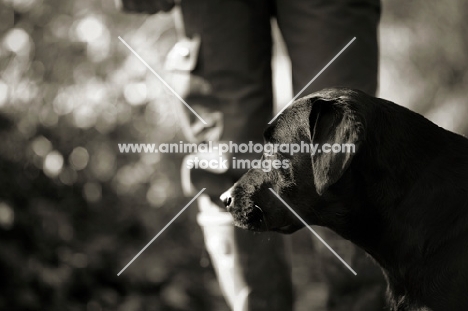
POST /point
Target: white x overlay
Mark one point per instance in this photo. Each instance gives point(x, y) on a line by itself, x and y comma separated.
point(313, 231)
point(313, 79)
point(201, 119)
point(162, 230)
point(161, 79)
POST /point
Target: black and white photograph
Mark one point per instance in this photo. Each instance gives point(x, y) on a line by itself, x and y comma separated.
point(233, 155)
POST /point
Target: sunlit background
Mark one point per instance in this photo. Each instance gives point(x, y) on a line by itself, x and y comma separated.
point(74, 211)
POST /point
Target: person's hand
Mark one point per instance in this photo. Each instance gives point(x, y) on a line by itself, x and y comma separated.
point(145, 6)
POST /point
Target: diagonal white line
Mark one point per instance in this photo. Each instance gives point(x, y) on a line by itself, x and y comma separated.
point(313, 231)
point(160, 232)
point(161, 79)
point(313, 79)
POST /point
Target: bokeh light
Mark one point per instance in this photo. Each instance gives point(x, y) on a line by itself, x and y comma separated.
point(135, 93)
point(103, 162)
point(89, 29)
point(158, 192)
point(41, 146)
point(68, 176)
point(79, 158)
point(92, 192)
point(7, 216)
point(53, 163)
point(17, 41)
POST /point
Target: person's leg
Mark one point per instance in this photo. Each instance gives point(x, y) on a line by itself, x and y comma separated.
point(235, 59)
point(314, 32)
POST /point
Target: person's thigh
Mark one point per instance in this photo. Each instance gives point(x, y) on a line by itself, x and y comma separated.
point(316, 30)
point(235, 58)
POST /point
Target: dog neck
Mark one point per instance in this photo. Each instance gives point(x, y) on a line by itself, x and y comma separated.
point(389, 219)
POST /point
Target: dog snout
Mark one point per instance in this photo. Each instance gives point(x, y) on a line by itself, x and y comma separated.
point(227, 198)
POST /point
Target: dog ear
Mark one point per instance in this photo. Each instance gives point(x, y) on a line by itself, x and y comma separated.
point(332, 122)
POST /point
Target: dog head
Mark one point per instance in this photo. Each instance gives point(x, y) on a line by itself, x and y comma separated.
point(326, 117)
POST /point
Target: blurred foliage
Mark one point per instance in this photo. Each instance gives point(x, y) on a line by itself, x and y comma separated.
point(424, 59)
point(74, 211)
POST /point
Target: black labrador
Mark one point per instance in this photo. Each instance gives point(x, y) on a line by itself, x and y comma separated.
point(402, 195)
